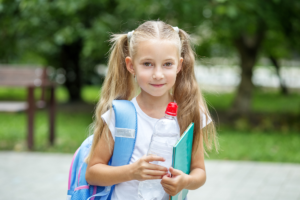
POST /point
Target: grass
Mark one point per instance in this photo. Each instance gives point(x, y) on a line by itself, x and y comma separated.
point(266, 102)
point(72, 127)
point(71, 130)
point(20, 94)
point(259, 146)
point(89, 94)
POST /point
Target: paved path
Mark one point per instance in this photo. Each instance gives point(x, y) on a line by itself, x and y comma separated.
point(35, 176)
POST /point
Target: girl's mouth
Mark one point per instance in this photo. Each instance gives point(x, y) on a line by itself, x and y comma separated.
point(157, 85)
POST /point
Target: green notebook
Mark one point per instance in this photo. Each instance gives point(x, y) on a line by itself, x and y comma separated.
point(182, 154)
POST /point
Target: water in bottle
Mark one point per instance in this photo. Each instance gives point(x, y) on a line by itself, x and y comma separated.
point(166, 134)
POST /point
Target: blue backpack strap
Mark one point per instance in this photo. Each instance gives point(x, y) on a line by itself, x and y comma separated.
point(125, 137)
point(125, 132)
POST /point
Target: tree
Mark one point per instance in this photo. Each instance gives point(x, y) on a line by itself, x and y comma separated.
point(67, 34)
point(9, 22)
point(71, 34)
point(283, 43)
point(249, 24)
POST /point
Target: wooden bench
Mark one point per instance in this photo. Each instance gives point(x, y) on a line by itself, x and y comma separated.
point(30, 78)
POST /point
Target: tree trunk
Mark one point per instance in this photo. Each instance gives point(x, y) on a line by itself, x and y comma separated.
point(247, 48)
point(70, 62)
point(283, 87)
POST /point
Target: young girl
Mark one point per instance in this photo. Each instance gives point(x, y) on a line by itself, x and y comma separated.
point(159, 59)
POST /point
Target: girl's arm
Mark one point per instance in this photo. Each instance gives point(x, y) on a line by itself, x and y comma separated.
point(197, 176)
point(99, 173)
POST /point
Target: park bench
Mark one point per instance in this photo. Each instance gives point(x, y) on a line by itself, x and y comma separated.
point(30, 78)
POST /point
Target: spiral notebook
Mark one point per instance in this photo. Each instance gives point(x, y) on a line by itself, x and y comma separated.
point(182, 154)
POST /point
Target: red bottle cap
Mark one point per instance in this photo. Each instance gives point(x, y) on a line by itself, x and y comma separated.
point(171, 109)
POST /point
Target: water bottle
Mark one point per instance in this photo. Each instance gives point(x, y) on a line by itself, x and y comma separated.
point(166, 134)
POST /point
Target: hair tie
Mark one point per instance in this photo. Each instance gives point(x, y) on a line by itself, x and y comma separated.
point(129, 35)
point(176, 29)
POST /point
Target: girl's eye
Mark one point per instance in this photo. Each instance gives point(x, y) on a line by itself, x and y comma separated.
point(147, 64)
point(168, 64)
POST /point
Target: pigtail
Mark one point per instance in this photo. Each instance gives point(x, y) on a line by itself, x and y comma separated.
point(189, 99)
point(118, 84)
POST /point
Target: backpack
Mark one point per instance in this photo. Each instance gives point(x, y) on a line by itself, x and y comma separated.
point(125, 136)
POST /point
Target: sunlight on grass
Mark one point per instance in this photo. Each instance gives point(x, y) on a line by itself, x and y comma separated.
point(275, 147)
point(20, 94)
point(237, 143)
point(267, 102)
point(91, 94)
point(71, 130)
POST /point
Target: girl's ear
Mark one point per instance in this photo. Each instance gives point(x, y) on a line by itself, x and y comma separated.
point(179, 65)
point(129, 64)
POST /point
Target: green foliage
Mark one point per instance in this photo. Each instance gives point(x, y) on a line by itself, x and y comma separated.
point(232, 19)
point(220, 21)
point(43, 32)
point(43, 26)
point(51, 32)
point(9, 25)
point(57, 23)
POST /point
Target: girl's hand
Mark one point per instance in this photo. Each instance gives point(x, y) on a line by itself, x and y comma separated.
point(143, 170)
point(173, 185)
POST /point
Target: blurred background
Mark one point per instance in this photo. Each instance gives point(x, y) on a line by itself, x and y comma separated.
point(248, 67)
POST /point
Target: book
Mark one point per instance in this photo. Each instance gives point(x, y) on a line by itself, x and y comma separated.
point(182, 155)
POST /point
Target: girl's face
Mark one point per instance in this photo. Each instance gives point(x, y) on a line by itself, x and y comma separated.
point(155, 64)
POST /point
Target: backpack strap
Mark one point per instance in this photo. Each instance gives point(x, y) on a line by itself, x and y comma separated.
point(125, 137)
point(125, 132)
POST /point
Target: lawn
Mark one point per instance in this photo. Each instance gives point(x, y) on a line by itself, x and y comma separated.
point(71, 130)
point(259, 146)
point(264, 102)
point(235, 144)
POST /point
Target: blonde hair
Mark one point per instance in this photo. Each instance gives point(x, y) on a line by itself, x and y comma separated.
point(119, 83)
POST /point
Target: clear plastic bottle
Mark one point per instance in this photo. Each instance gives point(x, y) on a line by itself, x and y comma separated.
point(166, 134)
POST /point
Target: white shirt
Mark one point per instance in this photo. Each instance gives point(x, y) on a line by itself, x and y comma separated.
point(129, 189)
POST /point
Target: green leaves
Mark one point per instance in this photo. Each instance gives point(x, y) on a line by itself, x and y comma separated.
point(221, 1)
point(231, 11)
point(43, 26)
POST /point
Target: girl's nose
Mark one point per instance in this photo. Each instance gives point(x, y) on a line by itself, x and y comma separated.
point(158, 74)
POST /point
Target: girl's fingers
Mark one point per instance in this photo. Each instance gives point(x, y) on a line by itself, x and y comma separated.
point(167, 187)
point(175, 172)
point(167, 180)
point(150, 177)
point(156, 167)
point(155, 172)
point(151, 158)
point(167, 190)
